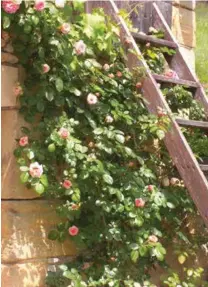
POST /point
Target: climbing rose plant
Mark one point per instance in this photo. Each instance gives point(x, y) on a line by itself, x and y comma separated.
point(92, 144)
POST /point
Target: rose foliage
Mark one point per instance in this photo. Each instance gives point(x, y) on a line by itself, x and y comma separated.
point(92, 144)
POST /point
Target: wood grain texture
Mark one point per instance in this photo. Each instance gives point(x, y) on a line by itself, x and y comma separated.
point(176, 143)
point(9, 77)
point(163, 79)
point(154, 41)
point(191, 123)
point(12, 188)
point(25, 226)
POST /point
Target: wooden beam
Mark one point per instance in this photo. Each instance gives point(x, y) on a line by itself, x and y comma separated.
point(164, 79)
point(204, 167)
point(153, 40)
point(191, 123)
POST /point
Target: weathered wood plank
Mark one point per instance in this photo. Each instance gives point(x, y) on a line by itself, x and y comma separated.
point(164, 79)
point(154, 41)
point(204, 167)
point(25, 226)
point(176, 143)
point(191, 123)
point(9, 77)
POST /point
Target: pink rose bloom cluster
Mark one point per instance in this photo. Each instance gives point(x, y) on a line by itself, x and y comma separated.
point(171, 74)
point(39, 5)
point(67, 184)
point(45, 68)
point(139, 202)
point(23, 141)
point(65, 28)
point(63, 133)
point(73, 230)
point(80, 47)
point(36, 169)
point(92, 99)
point(18, 91)
point(10, 7)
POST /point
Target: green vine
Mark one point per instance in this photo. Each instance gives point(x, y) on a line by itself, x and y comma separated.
point(92, 143)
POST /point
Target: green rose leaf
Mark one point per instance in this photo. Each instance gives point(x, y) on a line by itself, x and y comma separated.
point(108, 179)
point(24, 177)
point(44, 180)
point(6, 22)
point(53, 234)
point(39, 188)
point(134, 255)
point(49, 95)
point(59, 84)
point(120, 138)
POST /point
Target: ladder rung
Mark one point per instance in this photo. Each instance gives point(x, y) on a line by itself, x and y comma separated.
point(204, 167)
point(154, 41)
point(161, 78)
point(191, 123)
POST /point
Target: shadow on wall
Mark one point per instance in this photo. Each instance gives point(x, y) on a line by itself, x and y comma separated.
point(25, 247)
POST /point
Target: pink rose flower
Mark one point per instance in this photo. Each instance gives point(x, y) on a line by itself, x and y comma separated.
point(23, 141)
point(39, 5)
point(10, 7)
point(65, 28)
point(119, 74)
point(60, 3)
point(153, 239)
point(108, 119)
point(73, 230)
point(45, 68)
point(36, 169)
point(74, 206)
point(138, 85)
point(174, 181)
point(150, 187)
point(86, 265)
point(139, 202)
point(92, 99)
point(18, 91)
point(64, 133)
point(67, 184)
point(106, 67)
point(111, 76)
point(171, 74)
point(80, 47)
point(127, 41)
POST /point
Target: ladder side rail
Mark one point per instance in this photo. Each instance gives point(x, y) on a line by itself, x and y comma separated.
point(175, 141)
point(178, 62)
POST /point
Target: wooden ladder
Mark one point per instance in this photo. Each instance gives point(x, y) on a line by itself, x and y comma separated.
point(190, 170)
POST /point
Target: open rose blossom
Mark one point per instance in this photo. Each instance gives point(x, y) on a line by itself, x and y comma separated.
point(150, 187)
point(64, 133)
point(111, 76)
point(10, 7)
point(18, 91)
point(39, 5)
point(139, 202)
point(60, 3)
point(67, 184)
point(36, 169)
point(80, 47)
point(65, 28)
point(106, 67)
point(45, 68)
point(119, 74)
point(153, 239)
point(23, 141)
point(73, 230)
point(171, 74)
point(138, 85)
point(86, 265)
point(108, 119)
point(92, 99)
